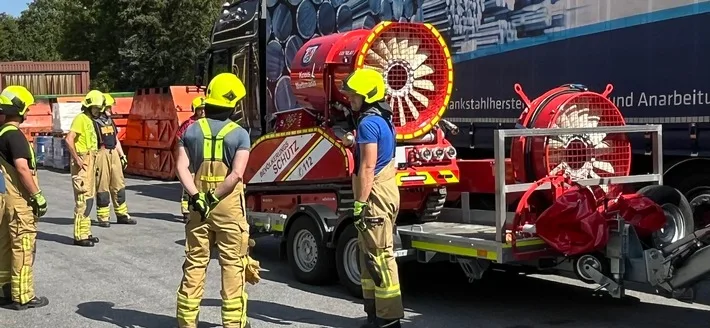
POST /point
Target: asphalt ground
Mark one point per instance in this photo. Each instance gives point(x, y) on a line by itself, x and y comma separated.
point(129, 280)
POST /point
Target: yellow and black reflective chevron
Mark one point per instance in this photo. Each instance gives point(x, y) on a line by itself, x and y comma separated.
point(426, 178)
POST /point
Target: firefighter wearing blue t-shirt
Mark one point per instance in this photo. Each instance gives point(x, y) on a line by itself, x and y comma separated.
point(376, 197)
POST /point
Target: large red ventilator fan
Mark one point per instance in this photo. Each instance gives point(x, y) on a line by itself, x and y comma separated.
point(412, 57)
point(582, 156)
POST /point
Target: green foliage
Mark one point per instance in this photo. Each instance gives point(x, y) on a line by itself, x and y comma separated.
point(130, 43)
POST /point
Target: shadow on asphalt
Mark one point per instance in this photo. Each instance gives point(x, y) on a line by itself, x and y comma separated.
point(127, 318)
point(60, 239)
point(58, 221)
point(162, 190)
point(280, 314)
point(435, 291)
point(170, 217)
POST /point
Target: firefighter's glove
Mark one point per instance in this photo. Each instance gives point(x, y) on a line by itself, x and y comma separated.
point(251, 274)
point(212, 199)
point(199, 204)
point(124, 162)
point(39, 204)
point(358, 210)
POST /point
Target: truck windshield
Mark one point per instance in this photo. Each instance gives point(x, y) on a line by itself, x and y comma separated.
point(220, 63)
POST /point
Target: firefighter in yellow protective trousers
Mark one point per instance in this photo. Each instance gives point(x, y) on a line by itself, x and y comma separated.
point(216, 149)
point(376, 197)
point(82, 144)
point(198, 106)
point(24, 203)
point(110, 163)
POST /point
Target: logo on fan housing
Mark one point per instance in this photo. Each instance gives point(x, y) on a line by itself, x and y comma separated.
point(308, 56)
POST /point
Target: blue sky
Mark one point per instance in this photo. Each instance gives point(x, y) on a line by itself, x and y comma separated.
point(14, 7)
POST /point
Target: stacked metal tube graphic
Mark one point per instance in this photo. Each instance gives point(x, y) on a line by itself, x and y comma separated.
point(472, 25)
point(291, 23)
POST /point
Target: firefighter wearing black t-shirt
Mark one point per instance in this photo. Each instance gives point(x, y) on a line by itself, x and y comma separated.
point(24, 202)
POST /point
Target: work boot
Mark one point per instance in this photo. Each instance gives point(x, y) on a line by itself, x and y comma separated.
point(185, 218)
point(36, 302)
point(6, 295)
point(84, 243)
point(369, 305)
point(94, 239)
point(103, 224)
point(125, 220)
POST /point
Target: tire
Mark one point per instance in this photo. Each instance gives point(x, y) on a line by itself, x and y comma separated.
point(349, 277)
point(317, 269)
point(679, 215)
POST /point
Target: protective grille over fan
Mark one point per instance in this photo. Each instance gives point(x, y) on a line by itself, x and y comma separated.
point(417, 67)
point(582, 156)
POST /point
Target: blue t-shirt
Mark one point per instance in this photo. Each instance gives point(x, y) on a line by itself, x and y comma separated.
point(2, 183)
point(374, 129)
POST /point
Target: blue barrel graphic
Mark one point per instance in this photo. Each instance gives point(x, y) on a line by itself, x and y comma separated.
point(41, 148)
point(326, 18)
point(386, 10)
point(271, 3)
point(284, 98)
point(291, 48)
point(366, 22)
point(375, 6)
point(336, 3)
point(269, 32)
point(274, 60)
point(269, 104)
point(397, 9)
point(306, 19)
point(295, 2)
point(344, 18)
point(408, 9)
point(282, 22)
point(317, 2)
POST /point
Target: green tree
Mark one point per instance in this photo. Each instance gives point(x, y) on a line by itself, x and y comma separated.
point(41, 29)
point(10, 31)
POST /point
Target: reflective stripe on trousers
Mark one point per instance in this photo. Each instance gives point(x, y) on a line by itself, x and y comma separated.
point(377, 245)
point(227, 229)
point(110, 185)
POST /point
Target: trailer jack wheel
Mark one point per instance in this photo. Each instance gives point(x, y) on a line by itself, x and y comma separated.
point(588, 260)
point(347, 259)
point(308, 256)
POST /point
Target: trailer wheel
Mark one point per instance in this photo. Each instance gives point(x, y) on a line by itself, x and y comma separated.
point(347, 261)
point(311, 261)
point(679, 215)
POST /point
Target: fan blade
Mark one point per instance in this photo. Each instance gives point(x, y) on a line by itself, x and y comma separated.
point(423, 70)
point(412, 107)
point(604, 166)
point(555, 143)
point(402, 47)
point(583, 115)
point(594, 175)
point(563, 121)
point(424, 84)
point(417, 60)
point(373, 56)
point(596, 138)
point(393, 47)
point(419, 97)
point(381, 49)
point(400, 109)
point(593, 121)
point(411, 51)
point(376, 68)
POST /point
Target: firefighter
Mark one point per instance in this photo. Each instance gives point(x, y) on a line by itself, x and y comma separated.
point(376, 197)
point(82, 144)
point(216, 150)
point(24, 202)
point(198, 106)
point(110, 163)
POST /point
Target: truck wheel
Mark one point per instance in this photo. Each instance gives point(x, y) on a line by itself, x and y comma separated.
point(679, 216)
point(309, 258)
point(347, 261)
point(699, 199)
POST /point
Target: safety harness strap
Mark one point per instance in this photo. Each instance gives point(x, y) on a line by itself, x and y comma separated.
point(33, 161)
point(213, 146)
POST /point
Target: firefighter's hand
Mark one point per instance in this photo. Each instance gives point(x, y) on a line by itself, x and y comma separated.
point(358, 209)
point(124, 162)
point(199, 204)
point(211, 198)
point(251, 274)
point(39, 204)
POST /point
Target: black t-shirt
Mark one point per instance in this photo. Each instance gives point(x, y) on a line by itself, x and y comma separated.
point(14, 145)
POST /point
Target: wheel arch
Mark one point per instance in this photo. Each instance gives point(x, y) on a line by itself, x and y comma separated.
point(340, 226)
point(682, 167)
point(320, 214)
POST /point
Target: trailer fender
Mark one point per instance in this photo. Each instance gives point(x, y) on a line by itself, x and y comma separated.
point(321, 215)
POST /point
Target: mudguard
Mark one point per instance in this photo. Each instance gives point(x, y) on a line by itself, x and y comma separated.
point(572, 225)
point(323, 216)
point(639, 211)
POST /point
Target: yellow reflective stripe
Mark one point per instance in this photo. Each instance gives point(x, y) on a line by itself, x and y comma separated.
point(455, 250)
point(207, 134)
point(33, 160)
point(207, 178)
point(449, 176)
point(187, 309)
point(219, 142)
point(213, 147)
point(121, 209)
point(388, 292)
point(367, 284)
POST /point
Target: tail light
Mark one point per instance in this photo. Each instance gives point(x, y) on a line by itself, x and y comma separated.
point(427, 155)
point(450, 152)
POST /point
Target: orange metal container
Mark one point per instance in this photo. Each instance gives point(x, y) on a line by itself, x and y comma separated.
point(150, 129)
